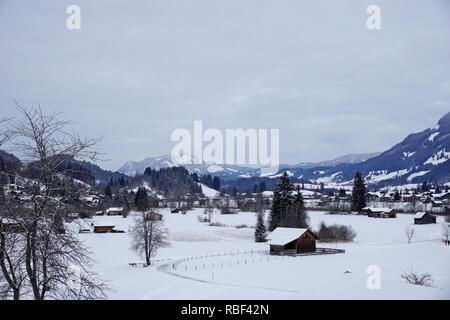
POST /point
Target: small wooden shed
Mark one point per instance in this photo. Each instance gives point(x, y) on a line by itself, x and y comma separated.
point(115, 211)
point(424, 218)
point(379, 212)
point(292, 241)
point(103, 229)
point(153, 216)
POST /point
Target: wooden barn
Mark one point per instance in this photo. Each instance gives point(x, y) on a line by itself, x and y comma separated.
point(379, 212)
point(424, 218)
point(115, 211)
point(12, 227)
point(292, 241)
point(103, 229)
point(153, 216)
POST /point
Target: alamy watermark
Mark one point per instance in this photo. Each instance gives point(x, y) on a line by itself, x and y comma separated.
point(73, 21)
point(373, 21)
point(251, 147)
point(374, 279)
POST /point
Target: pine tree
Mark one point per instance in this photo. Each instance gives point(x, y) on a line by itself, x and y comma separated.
point(108, 191)
point(285, 188)
point(260, 229)
point(274, 217)
point(296, 212)
point(141, 200)
point(358, 193)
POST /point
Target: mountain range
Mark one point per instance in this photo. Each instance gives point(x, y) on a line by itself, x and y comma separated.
point(132, 168)
point(421, 156)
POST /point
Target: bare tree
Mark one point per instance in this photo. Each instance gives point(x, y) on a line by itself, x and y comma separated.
point(147, 235)
point(49, 251)
point(13, 275)
point(5, 134)
point(410, 233)
point(413, 277)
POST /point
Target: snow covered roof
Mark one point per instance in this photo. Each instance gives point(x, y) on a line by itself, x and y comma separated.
point(419, 215)
point(114, 209)
point(377, 209)
point(282, 236)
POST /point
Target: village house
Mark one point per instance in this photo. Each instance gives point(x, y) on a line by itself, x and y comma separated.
point(11, 226)
point(114, 211)
point(104, 229)
point(153, 216)
point(379, 212)
point(292, 241)
point(424, 218)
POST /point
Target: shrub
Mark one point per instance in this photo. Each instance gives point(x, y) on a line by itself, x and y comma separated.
point(336, 233)
point(412, 277)
point(242, 226)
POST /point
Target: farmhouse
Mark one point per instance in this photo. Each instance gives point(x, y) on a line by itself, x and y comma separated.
point(10, 226)
point(153, 216)
point(424, 218)
point(114, 211)
point(379, 212)
point(103, 229)
point(291, 241)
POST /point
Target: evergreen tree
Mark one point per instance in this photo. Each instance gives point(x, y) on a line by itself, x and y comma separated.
point(260, 229)
point(108, 191)
point(397, 196)
point(141, 200)
point(296, 213)
point(285, 188)
point(274, 217)
point(358, 193)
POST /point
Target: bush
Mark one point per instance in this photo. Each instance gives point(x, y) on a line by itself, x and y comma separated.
point(413, 277)
point(336, 233)
point(242, 226)
point(217, 224)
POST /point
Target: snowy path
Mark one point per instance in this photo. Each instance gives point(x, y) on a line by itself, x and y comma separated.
point(167, 266)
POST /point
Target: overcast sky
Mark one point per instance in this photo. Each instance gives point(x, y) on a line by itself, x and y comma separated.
point(137, 70)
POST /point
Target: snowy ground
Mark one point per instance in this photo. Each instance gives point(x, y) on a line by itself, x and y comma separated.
point(210, 267)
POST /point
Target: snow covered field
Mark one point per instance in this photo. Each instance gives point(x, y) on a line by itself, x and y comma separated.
point(211, 268)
